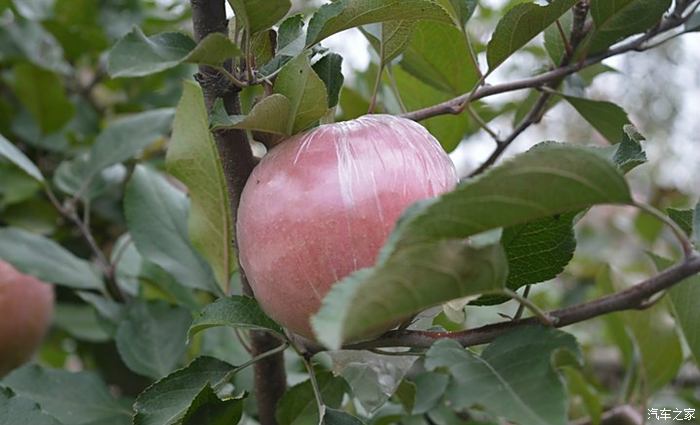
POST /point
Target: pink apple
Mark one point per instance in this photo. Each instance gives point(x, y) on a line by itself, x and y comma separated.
point(26, 304)
point(321, 204)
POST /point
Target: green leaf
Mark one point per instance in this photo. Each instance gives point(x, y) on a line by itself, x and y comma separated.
point(352, 104)
point(430, 387)
point(75, 177)
point(270, 115)
point(521, 24)
point(214, 50)
point(684, 218)
point(37, 10)
point(208, 408)
point(438, 55)
point(579, 387)
point(126, 137)
point(151, 338)
point(156, 215)
point(298, 405)
point(258, 15)
point(684, 298)
point(17, 157)
point(290, 36)
point(306, 92)
point(510, 377)
point(193, 158)
point(553, 41)
point(339, 417)
point(660, 351)
point(47, 260)
point(79, 398)
point(693, 24)
point(449, 130)
point(136, 55)
point(658, 354)
point(19, 410)
point(606, 117)
point(460, 10)
point(551, 178)
point(411, 280)
point(406, 395)
point(42, 93)
point(328, 68)
point(37, 45)
point(81, 322)
point(344, 14)
point(389, 39)
point(615, 20)
point(373, 378)
point(167, 401)
point(629, 153)
point(539, 250)
point(236, 312)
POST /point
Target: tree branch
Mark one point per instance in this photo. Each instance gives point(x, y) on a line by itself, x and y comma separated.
point(554, 79)
point(452, 106)
point(209, 16)
point(634, 297)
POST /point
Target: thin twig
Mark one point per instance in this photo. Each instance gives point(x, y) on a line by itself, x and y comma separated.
point(475, 115)
point(562, 34)
point(452, 106)
point(106, 268)
point(521, 307)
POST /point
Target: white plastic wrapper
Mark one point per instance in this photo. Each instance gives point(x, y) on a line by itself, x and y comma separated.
point(321, 204)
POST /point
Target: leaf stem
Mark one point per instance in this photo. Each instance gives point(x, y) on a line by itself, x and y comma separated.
point(320, 406)
point(232, 78)
point(683, 239)
point(259, 357)
point(377, 82)
point(543, 316)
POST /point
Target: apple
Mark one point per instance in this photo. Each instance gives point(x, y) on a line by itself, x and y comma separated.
point(321, 204)
point(26, 304)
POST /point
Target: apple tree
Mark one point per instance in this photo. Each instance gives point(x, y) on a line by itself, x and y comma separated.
point(240, 227)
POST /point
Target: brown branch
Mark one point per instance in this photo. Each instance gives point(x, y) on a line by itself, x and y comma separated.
point(578, 33)
point(452, 106)
point(209, 16)
point(68, 212)
point(632, 298)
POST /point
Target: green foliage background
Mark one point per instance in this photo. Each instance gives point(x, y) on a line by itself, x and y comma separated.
point(111, 188)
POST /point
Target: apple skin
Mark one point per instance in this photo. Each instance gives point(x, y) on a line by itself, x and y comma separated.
point(26, 305)
point(320, 205)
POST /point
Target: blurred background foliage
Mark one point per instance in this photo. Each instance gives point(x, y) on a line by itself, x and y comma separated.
point(56, 101)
